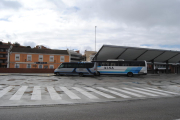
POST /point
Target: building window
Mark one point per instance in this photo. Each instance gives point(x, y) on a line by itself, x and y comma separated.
point(17, 57)
point(45, 66)
point(29, 57)
point(41, 58)
point(40, 66)
point(17, 65)
point(51, 58)
point(28, 65)
point(51, 66)
point(62, 59)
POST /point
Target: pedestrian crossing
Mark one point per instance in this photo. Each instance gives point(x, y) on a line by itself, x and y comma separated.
point(69, 93)
point(100, 93)
point(36, 95)
point(54, 95)
point(77, 93)
point(19, 93)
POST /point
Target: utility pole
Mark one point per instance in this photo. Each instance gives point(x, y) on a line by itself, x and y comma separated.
point(95, 38)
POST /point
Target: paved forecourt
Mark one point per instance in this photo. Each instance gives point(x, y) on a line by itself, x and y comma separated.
point(40, 95)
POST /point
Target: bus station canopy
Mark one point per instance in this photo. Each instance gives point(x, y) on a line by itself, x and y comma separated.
point(133, 53)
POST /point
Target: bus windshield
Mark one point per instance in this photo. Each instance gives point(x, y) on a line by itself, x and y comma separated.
point(61, 66)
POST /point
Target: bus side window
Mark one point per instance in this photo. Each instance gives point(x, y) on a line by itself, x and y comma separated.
point(80, 65)
point(125, 64)
point(75, 65)
point(105, 63)
point(120, 64)
point(100, 64)
point(133, 64)
point(70, 65)
point(113, 64)
point(90, 65)
point(63, 65)
point(141, 63)
point(85, 65)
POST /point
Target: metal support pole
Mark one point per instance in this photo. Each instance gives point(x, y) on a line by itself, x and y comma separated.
point(167, 66)
point(95, 38)
point(177, 69)
point(152, 66)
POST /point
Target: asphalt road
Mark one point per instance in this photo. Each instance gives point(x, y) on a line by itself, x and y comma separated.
point(148, 109)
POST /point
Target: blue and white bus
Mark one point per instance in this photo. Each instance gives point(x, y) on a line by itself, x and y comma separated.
point(121, 67)
point(76, 68)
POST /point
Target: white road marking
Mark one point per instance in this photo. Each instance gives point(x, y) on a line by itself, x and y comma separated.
point(163, 91)
point(140, 92)
point(69, 93)
point(19, 93)
point(100, 93)
point(54, 95)
point(152, 91)
point(113, 92)
point(36, 95)
point(5, 90)
point(130, 93)
point(85, 93)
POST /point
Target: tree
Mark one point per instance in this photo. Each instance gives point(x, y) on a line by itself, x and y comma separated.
point(9, 43)
point(16, 44)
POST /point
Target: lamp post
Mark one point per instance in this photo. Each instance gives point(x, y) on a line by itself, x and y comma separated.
point(95, 38)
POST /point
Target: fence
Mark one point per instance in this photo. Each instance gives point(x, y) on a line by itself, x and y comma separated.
point(25, 70)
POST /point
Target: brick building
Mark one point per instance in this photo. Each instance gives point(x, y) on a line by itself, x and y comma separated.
point(36, 58)
point(3, 54)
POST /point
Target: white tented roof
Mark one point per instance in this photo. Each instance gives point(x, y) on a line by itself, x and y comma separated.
point(134, 53)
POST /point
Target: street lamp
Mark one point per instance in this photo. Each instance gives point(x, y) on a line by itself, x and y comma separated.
point(95, 38)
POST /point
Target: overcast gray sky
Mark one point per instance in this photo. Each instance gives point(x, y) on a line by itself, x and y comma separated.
point(62, 24)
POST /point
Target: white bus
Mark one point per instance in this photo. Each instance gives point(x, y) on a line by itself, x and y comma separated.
point(76, 68)
point(121, 67)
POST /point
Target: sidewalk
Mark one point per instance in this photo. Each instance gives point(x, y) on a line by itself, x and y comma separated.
point(27, 74)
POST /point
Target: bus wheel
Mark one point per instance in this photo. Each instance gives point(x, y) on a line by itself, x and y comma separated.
point(98, 73)
point(129, 74)
point(81, 75)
